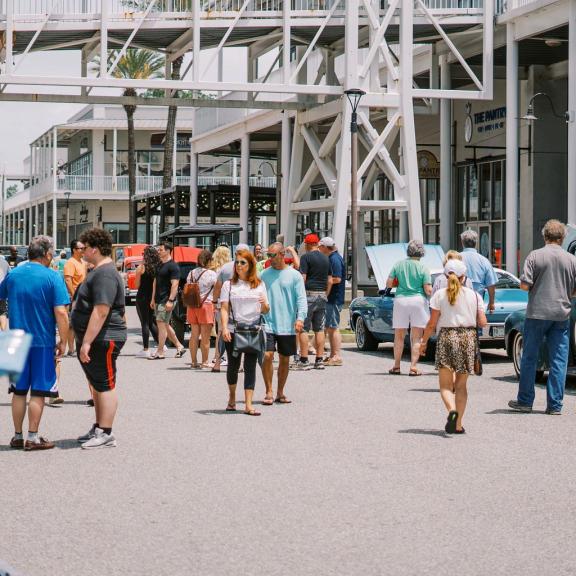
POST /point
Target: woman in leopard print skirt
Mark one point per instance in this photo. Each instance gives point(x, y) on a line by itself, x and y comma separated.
point(456, 311)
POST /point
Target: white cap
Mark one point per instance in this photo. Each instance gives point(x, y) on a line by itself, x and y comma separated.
point(241, 247)
point(455, 266)
point(328, 242)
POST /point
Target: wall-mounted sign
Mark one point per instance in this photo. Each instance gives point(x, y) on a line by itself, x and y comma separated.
point(484, 122)
point(83, 214)
point(468, 124)
point(157, 140)
point(428, 166)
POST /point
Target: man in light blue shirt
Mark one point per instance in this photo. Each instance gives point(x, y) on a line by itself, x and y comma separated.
point(288, 310)
point(480, 270)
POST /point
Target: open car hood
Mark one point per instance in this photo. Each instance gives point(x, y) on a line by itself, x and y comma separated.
point(384, 256)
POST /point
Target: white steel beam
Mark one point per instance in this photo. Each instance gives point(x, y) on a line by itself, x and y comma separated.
point(105, 6)
point(244, 186)
point(288, 219)
point(325, 166)
point(9, 37)
point(286, 42)
point(446, 219)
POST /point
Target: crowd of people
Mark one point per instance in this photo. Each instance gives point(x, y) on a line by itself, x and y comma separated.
point(261, 303)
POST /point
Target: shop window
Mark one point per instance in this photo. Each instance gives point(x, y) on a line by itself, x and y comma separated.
point(498, 190)
point(119, 231)
point(485, 190)
point(462, 196)
point(472, 192)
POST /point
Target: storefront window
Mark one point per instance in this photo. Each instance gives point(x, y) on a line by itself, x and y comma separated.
point(485, 191)
point(472, 192)
point(498, 191)
point(462, 196)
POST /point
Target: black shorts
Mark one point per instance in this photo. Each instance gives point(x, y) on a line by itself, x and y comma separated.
point(3, 308)
point(286, 344)
point(101, 370)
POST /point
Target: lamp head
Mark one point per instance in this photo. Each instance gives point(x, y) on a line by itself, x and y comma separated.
point(530, 116)
point(354, 95)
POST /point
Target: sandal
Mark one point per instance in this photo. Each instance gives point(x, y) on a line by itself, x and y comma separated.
point(414, 372)
point(180, 352)
point(394, 371)
point(450, 427)
point(156, 357)
point(268, 401)
point(252, 412)
point(231, 408)
point(282, 400)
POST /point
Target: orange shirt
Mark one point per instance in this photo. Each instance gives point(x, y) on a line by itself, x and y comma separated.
point(76, 271)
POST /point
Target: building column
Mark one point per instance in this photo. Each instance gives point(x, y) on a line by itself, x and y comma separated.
point(36, 229)
point(193, 188)
point(45, 230)
point(572, 114)
point(244, 186)
point(26, 226)
point(114, 157)
point(446, 218)
point(55, 180)
point(512, 172)
point(284, 172)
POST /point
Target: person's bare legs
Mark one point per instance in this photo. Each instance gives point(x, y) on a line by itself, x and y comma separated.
point(18, 412)
point(446, 378)
point(106, 404)
point(461, 397)
point(71, 341)
point(248, 395)
point(415, 337)
point(268, 373)
point(35, 409)
point(172, 337)
point(205, 331)
point(3, 323)
point(232, 395)
point(162, 335)
point(335, 339)
point(193, 344)
point(319, 339)
point(283, 369)
point(399, 335)
point(303, 340)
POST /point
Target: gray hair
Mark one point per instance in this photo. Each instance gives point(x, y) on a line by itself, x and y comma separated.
point(415, 249)
point(469, 239)
point(554, 231)
point(39, 247)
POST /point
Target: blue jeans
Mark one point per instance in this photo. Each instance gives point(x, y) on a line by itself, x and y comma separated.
point(557, 341)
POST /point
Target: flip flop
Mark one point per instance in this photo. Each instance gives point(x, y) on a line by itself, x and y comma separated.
point(231, 408)
point(450, 427)
point(156, 357)
point(252, 412)
point(268, 401)
point(283, 400)
point(180, 353)
point(394, 371)
point(414, 372)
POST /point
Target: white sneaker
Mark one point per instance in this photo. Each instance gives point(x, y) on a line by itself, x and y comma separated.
point(143, 354)
point(100, 440)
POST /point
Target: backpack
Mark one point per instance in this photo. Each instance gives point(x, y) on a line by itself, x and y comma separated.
point(191, 295)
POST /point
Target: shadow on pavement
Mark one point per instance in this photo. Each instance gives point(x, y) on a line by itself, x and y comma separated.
point(516, 413)
point(425, 432)
point(219, 412)
point(423, 390)
point(67, 444)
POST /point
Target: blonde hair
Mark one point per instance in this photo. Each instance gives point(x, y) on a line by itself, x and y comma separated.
point(220, 257)
point(454, 287)
point(452, 255)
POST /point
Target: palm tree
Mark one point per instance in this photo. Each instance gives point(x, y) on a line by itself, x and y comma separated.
point(136, 64)
point(171, 130)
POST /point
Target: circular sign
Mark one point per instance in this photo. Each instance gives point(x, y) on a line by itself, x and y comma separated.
point(468, 128)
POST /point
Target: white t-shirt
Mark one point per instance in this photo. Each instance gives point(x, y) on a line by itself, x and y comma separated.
point(245, 307)
point(206, 280)
point(460, 315)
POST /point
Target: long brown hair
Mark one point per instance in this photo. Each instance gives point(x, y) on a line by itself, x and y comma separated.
point(252, 277)
point(454, 287)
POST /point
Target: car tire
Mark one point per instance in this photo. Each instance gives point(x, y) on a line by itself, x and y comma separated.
point(364, 339)
point(517, 345)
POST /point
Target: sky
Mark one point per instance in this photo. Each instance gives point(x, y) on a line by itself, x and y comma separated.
point(21, 123)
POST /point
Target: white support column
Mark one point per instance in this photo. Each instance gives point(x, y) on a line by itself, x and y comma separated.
point(55, 182)
point(286, 45)
point(9, 36)
point(244, 186)
point(174, 157)
point(25, 226)
point(343, 184)
point(409, 152)
point(512, 173)
point(104, 38)
point(288, 220)
point(36, 230)
point(114, 160)
point(446, 219)
point(193, 188)
point(572, 113)
point(45, 223)
point(285, 170)
point(196, 40)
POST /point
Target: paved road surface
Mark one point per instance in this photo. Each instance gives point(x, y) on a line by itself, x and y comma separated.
point(356, 477)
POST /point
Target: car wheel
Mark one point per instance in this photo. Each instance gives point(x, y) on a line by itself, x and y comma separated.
point(517, 346)
point(364, 339)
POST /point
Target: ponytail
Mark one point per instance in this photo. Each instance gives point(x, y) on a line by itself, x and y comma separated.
point(453, 289)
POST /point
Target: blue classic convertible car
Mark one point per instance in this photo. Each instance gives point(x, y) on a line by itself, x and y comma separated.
point(371, 316)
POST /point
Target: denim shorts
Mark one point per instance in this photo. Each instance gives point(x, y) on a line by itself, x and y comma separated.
point(316, 312)
point(333, 315)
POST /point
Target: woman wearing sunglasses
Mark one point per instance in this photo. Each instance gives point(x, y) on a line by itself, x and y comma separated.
point(243, 300)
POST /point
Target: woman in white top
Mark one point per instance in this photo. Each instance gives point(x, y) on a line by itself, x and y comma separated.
point(442, 280)
point(457, 311)
point(201, 319)
point(220, 257)
point(243, 300)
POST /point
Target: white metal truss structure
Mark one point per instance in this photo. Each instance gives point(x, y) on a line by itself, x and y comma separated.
point(366, 44)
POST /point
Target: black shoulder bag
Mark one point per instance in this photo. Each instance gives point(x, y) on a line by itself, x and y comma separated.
point(248, 338)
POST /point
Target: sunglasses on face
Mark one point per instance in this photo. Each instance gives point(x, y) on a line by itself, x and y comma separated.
point(274, 254)
point(241, 263)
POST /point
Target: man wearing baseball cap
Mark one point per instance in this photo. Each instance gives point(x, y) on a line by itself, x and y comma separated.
point(315, 268)
point(335, 299)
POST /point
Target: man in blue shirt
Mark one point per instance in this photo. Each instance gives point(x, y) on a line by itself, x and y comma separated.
point(480, 270)
point(288, 310)
point(335, 299)
point(37, 298)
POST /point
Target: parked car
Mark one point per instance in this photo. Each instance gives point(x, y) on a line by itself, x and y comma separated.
point(122, 251)
point(128, 273)
point(371, 316)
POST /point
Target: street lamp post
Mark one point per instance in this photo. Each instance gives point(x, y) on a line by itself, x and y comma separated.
point(354, 96)
point(67, 196)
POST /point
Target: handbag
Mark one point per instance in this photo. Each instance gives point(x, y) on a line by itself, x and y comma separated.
point(191, 294)
point(477, 356)
point(248, 338)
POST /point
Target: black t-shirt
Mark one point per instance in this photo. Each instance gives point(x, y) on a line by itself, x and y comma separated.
point(102, 286)
point(13, 261)
point(145, 289)
point(166, 273)
point(316, 266)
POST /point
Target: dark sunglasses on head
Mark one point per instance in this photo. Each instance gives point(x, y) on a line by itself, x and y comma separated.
point(241, 262)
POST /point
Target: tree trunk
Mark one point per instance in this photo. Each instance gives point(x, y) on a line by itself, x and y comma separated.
point(171, 129)
point(132, 205)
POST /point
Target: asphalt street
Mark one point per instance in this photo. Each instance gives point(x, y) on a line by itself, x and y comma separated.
point(356, 476)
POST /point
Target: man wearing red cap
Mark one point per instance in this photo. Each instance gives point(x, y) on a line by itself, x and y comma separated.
point(315, 268)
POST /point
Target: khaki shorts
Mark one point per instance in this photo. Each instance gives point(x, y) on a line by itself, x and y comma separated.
point(163, 315)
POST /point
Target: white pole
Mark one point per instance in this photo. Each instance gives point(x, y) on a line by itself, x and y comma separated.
point(511, 150)
point(285, 167)
point(572, 113)
point(174, 154)
point(244, 186)
point(114, 160)
point(193, 188)
point(54, 185)
point(446, 220)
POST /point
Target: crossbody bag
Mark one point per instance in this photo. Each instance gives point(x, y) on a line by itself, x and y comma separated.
point(248, 338)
